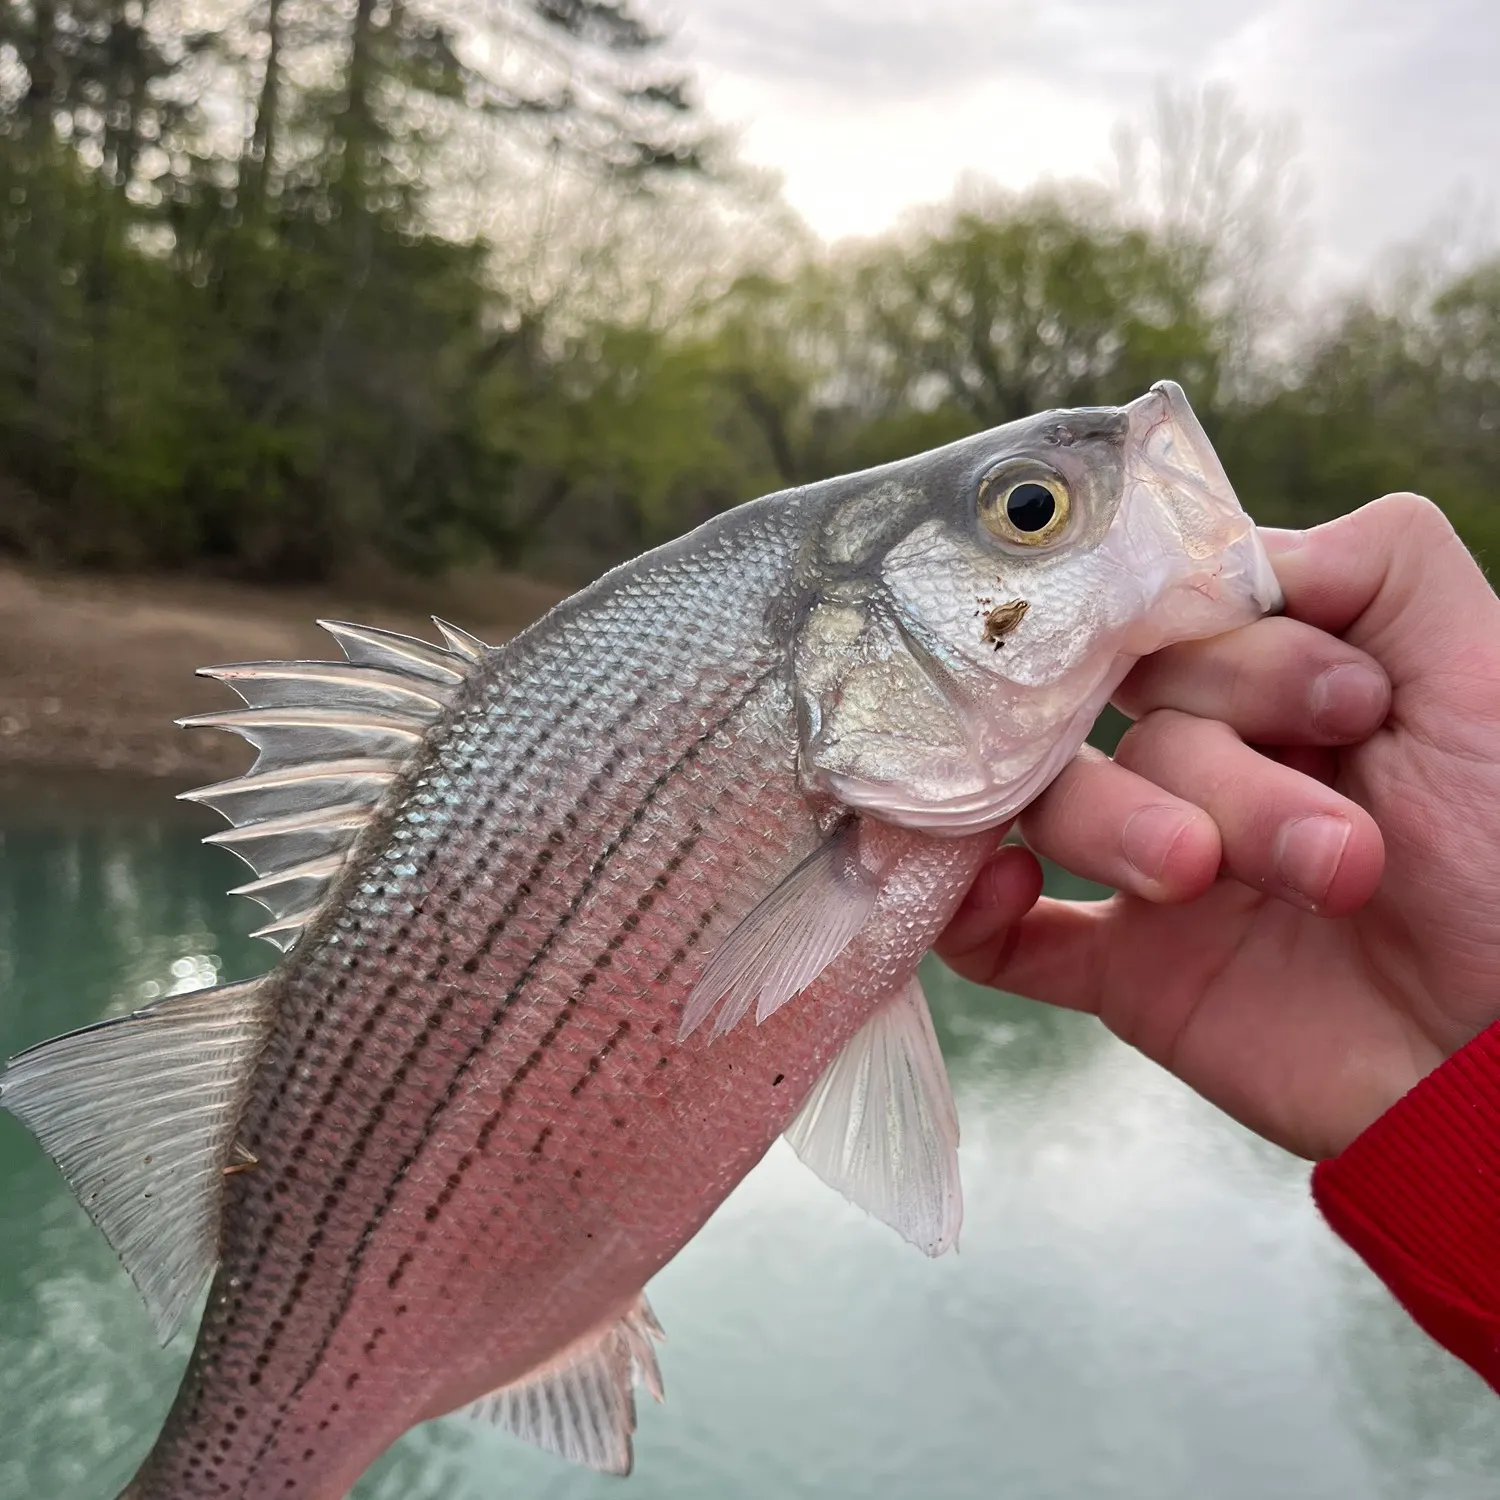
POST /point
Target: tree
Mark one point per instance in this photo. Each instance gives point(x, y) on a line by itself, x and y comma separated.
point(1224, 192)
point(1036, 302)
point(266, 349)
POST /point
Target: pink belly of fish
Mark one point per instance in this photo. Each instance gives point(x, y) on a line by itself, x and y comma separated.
point(598, 1175)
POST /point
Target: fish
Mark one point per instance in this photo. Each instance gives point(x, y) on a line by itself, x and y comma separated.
point(573, 928)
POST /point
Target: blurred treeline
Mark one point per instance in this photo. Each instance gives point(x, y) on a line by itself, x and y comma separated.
point(287, 286)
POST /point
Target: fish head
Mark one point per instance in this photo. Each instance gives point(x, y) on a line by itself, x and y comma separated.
point(968, 612)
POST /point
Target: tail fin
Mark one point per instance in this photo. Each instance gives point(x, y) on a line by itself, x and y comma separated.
point(140, 1113)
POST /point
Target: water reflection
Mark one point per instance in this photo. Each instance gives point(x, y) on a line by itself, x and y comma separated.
point(1428, 1424)
point(1144, 1304)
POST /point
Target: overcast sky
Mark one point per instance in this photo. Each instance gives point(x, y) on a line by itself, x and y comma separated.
point(867, 106)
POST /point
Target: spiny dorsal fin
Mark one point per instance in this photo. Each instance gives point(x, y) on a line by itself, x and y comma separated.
point(140, 1113)
point(581, 1406)
point(331, 738)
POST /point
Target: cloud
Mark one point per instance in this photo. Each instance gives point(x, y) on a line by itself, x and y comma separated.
point(889, 51)
point(1398, 108)
point(868, 105)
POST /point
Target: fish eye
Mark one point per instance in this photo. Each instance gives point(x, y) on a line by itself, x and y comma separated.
point(1024, 503)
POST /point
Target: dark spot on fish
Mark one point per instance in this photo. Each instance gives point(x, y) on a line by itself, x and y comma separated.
point(777, 1079)
point(352, 1381)
point(1000, 619)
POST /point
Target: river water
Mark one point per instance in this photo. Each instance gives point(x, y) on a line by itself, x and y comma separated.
point(1145, 1305)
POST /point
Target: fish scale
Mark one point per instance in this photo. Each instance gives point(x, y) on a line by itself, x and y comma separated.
point(650, 890)
point(526, 983)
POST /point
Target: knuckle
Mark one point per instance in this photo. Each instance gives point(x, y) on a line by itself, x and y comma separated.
point(1167, 732)
point(1138, 744)
point(1413, 512)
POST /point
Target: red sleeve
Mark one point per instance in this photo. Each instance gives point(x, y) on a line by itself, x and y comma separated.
point(1418, 1197)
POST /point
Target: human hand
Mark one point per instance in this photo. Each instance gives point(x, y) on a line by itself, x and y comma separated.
point(1267, 945)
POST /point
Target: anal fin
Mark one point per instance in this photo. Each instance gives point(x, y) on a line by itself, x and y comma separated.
point(880, 1125)
point(581, 1405)
point(140, 1115)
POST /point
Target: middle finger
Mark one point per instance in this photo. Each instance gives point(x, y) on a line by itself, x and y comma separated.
point(1281, 831)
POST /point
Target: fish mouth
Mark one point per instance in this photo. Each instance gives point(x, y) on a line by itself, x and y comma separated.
point(1171, 463)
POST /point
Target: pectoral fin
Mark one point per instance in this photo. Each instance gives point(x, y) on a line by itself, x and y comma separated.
point(880, 1125)
point(788, 938)
point(140, 1115)
point(581, 1406)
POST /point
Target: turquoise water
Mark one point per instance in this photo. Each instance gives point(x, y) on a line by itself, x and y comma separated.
point(1144, 1307)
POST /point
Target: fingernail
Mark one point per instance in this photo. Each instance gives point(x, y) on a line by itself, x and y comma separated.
point(1276, 539)
point(1348, 700)
point(1307, 854)
point(1149, 835)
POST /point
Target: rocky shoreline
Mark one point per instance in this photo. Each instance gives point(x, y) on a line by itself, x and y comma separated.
point(94, 670)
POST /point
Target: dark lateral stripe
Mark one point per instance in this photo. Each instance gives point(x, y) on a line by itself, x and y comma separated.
point(590, 880)
point(549, 729)
point(343, 1069)
point(548, 1039)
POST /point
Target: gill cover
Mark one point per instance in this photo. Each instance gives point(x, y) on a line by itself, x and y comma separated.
point(909, 705)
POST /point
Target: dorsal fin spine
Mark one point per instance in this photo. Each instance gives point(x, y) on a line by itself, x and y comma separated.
point(331, 737)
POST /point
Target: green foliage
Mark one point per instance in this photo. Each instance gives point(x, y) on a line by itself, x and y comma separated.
point(1038, 303)
point(279, 355)
point(261, 354)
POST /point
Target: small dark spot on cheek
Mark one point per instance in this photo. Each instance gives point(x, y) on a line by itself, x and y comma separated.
point(777, 1079)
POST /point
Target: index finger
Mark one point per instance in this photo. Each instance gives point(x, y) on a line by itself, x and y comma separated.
point(1392, 578)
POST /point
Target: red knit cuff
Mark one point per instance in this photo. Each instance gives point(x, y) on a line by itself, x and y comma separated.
point(1418, 1198)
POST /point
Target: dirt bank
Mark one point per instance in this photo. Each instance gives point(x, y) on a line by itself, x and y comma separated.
point(93, 670)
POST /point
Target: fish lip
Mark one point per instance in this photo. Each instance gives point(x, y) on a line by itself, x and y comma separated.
point(1166, 436)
